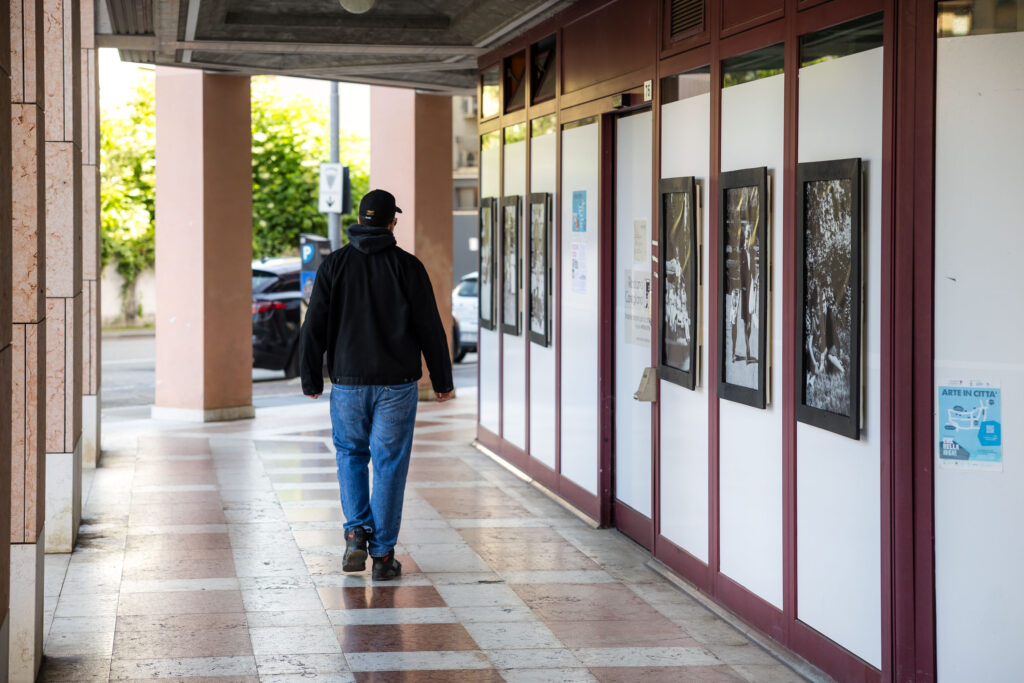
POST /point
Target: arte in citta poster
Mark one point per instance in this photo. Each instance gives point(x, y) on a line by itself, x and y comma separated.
point(970, 434)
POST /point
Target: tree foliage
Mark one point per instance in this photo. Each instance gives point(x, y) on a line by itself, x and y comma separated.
point(290, 139)
point(127, 183)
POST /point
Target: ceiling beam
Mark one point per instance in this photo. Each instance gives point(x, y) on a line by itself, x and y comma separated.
point(276, 47)
point(392, 67)
point(140, 43)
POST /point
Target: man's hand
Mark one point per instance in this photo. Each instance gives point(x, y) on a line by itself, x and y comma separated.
point(446, 396)
point(313, 395)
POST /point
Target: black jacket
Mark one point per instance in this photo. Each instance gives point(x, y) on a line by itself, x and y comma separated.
point(373, 311)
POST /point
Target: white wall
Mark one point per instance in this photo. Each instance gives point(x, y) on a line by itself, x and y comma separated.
point(543, 178)
point(110, 291)
point(490, 186)
point(632, 355)
point(979, 321)
point(579, 376)
point(838, 479)
point(514, 346)
point(750, 439)
point(685, 148)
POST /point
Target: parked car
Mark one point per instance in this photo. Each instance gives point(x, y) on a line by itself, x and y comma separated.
point(276, 314)
point(465, 312)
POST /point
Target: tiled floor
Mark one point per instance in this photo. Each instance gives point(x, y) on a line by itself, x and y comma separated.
point(213, 553)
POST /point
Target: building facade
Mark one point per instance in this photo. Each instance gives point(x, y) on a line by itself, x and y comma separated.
point(747, 295)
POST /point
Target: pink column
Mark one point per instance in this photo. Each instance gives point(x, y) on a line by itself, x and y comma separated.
point(90, 172)
point(28, 409)
point(203, 246)
point(411, 157)
point(6, 346)
point(63, 159)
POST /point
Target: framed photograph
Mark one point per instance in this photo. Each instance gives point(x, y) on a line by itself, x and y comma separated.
point(680, 249)
point(488, 262)
point(743, 253)
point(540, 268)
point(510, 265)
point(828, 314)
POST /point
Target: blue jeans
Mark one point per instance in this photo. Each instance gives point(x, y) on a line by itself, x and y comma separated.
point(373, 424)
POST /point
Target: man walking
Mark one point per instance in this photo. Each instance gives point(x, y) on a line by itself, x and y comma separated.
point(373, 312)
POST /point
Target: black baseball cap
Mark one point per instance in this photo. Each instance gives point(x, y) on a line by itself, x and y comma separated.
point(377, 208)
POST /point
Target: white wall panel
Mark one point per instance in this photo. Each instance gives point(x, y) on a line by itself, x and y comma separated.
point(685, 149)
point(979, 323)
point(543, 178)
point(490, 186)
point(838, 479)
point(632, 347)
point(750, 440)
point(579, 377)
point(514, 346)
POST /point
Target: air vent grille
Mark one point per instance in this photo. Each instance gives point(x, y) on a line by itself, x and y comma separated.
point(687, 16)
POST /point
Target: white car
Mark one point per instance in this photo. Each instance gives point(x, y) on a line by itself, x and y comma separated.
point(465, 311)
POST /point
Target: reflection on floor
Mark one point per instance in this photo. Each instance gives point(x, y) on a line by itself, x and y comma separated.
point(213, 552)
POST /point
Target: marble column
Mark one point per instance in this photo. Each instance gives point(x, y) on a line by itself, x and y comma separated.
point(90, 238)
point(28, 407)
point(63, 160)
point(7, 350)
point(203, 246)
point(411, 157)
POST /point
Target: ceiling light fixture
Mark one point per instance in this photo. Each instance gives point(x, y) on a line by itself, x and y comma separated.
point(357, 6)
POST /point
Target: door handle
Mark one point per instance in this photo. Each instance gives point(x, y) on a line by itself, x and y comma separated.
point(647, 392)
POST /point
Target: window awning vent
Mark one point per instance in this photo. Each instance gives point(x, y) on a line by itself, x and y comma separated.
point(687, 16)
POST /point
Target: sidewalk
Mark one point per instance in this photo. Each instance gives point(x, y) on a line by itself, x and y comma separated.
point(212, 552)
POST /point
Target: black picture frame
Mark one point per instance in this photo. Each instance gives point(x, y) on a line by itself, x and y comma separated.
point(488, 263)
point(744, 261)
point(829, 303)
point(511, 265)
point(539, 269)
point(680, 295)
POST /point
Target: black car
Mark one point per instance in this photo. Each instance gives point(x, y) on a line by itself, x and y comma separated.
point(276, 315)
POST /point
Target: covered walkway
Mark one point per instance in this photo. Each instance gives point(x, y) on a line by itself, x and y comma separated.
point(213, 552)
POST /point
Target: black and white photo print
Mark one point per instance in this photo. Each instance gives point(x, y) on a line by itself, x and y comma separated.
point(743, 284)
point(487, 261)
point(540, 268)
point(829, 305)
point(510, 265)
point(680, 293)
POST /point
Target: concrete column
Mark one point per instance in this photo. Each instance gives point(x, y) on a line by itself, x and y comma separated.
point(203, 246)
point(90, 96)
point(28, 407)
point(7, 351)
point(411, 157)
point(63, 158)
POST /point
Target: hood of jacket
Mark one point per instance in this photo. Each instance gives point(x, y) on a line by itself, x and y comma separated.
point(369, 239)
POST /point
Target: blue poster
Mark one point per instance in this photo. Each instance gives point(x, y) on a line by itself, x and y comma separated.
point(306, 284)
point(579, 211)
point(970, 426)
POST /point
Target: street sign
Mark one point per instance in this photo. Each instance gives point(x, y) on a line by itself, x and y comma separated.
point(332, 188)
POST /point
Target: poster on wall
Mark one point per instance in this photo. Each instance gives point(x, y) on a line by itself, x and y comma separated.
point(970, 431)
point(487, 255)
point(578, 253)
point(510, 272)
point(828, 236)
point(579, 211)
point(540, 268)
point(743, 286)
point(637, 307)
point(680, 282)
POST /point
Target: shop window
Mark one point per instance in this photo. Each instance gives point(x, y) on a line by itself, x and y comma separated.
point(515, 81)
point(850, 38)
point(686, 18)
point(542, 126)
point(977, 17)
point(490, 101)
point(516, 133)
point(686, 85)
point(753, 66)
point(489, 140)
point(542, 70)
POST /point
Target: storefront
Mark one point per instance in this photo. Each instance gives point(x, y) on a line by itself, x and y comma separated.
point(732, 256)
